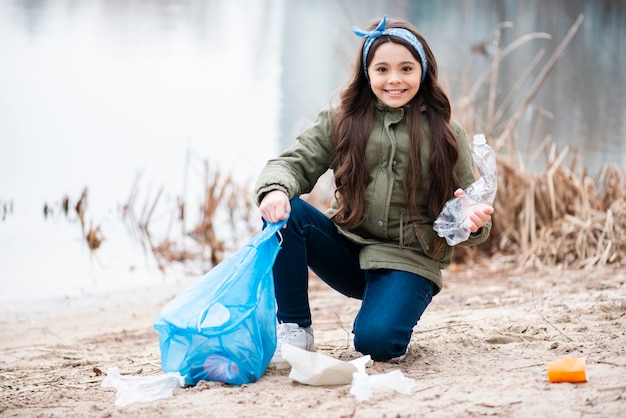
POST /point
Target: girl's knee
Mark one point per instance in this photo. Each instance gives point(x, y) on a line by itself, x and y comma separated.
point(380, 344)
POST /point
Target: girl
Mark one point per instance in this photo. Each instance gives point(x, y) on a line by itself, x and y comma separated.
point(397, 157)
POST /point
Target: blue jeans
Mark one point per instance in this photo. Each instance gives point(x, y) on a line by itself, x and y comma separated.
point(392, 301)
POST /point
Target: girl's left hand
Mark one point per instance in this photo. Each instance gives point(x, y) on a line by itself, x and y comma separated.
point(481, 215)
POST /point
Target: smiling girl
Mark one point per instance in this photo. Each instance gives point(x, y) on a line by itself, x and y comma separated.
point(397, 157)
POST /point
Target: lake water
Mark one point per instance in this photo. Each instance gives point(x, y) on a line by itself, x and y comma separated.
point(102, 94)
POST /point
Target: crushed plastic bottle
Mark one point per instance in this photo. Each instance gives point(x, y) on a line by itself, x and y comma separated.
point(453, 221)
point(131, 389)
point(218, 368)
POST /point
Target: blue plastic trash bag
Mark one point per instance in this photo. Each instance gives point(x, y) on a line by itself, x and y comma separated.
point(223, 327)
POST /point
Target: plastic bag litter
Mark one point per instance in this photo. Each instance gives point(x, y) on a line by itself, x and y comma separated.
point(131, 389)
point(223, 327)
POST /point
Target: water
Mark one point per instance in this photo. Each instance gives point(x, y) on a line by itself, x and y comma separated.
point(101, 94)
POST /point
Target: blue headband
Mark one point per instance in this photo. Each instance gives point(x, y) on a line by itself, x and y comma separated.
point(403, 34)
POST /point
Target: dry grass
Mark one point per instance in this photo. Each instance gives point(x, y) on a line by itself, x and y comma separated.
point(560, 216)
point(93, 236)
point(225, 212)
point(222, 196)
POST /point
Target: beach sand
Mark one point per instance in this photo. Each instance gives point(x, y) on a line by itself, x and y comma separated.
point(481, 349)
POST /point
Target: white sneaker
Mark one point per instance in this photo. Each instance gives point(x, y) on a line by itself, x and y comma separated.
point(294, 335)
point(401, 358)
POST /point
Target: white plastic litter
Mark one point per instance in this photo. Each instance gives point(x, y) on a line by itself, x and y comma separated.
point(131, 389)
point(317, 369)
point(363, 385)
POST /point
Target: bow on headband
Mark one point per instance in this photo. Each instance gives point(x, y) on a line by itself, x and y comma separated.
point(403, 34)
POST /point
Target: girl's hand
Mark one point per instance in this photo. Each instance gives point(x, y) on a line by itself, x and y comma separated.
point(481, 214)
point(275, 206)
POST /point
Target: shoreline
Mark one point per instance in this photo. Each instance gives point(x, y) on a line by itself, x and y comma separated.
point(481, 348)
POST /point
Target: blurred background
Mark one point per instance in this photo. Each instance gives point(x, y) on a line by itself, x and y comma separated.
point(142, 101)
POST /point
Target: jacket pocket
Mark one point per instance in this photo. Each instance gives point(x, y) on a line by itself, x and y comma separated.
point(426, 236)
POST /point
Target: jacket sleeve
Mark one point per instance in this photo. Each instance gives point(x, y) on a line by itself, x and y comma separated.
point(298, 168)
point(466, 175)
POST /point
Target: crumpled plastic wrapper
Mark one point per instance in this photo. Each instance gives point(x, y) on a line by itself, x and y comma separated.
point(363, 385)
point(131, 389)
point(317, 369)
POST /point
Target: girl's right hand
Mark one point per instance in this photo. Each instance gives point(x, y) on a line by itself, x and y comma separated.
point(275, 206)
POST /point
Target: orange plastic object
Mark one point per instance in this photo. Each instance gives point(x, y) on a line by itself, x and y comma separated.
point(570, 369)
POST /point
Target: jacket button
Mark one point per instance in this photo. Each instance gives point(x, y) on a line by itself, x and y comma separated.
point(394, 162)
point(380, 224)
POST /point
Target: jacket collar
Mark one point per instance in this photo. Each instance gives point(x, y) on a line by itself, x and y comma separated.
point(394, 114)
point(380, 106)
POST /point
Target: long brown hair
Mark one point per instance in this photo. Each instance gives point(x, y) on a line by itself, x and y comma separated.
point(354, 121)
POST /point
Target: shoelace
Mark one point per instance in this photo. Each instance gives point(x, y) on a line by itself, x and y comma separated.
point(285, 336)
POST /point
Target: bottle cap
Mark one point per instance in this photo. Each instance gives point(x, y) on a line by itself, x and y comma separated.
point(479, 139)
point(570, 369)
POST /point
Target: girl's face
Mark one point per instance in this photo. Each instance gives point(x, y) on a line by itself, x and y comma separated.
point(395, 75)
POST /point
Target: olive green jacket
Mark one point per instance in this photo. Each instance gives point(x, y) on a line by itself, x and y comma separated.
point(390, 240)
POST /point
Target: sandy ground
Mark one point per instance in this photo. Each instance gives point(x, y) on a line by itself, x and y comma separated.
point(481, 349)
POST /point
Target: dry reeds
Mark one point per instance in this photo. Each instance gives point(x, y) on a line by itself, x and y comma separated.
point(93, 235)
point(6, 209)
point(226, 207)
point(561, 216)
point(223, 221)
point(215, 189)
